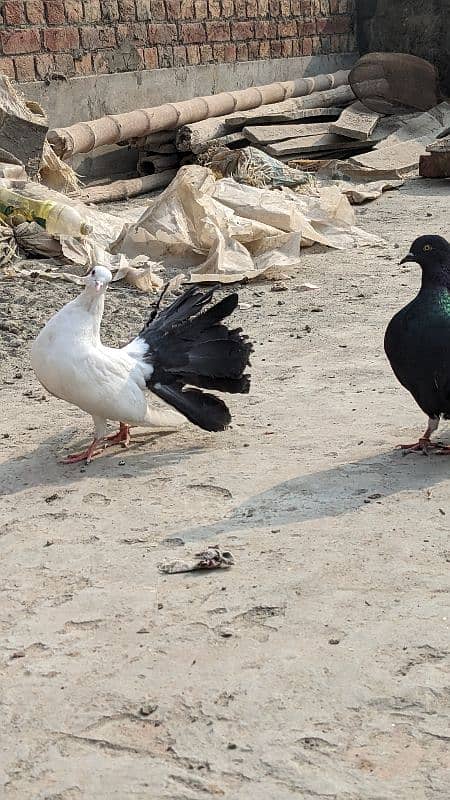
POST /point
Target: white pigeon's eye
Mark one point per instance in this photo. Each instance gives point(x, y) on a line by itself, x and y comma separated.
point(93, 273)
point(427, 248)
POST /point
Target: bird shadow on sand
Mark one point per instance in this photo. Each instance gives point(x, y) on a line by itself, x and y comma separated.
point(328, 493)
point(41, 467)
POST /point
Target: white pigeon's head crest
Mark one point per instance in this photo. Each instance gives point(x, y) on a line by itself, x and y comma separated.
point(97, 279)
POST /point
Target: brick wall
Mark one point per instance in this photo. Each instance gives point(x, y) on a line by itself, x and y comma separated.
point(44, 38)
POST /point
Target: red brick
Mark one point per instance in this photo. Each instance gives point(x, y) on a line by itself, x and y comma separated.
point(287, 28)
point(143, 12)
point(100, 64)
point(83, 64)
point(345, 6)
point(110, 10)
point(295, 8)
point(286, 48)
point(325, 7)
point(200, 9)
point(316, 45)
point(157, 10)
point(275, 48)
point(296, 48)
point(264, 49)
point(242, 52)
point(126, 9)
point(25, 68)
point(192, 33)
point(173, 10)
point(193, 54)
point(92, 11)
point(214, 9)
point(334, 6)
point(90, 38)
point(74, 10)
point(25, 41)
point(230, 53)
point(44, 65)
point(253, 50)
point(340, 24)
point(285, 8)
point(54, 11)
point(139, 33)
point(218, 31)
point(306, 27)
point(252, 8)
point(263, 8)
point(265, 29)
point(162, 33)
point(227, 8)
point(274, 8)
point(307, 46)
point(187, 9)
point(219, 53)
point(14, 13)
point(64, 64)
point(150, 58)
point(7, 67)
point(35, 12)
point(206, 53)
point(179, 56)
point(242, 31)
point(57, 39)
point(165, 56)
point(240, 7)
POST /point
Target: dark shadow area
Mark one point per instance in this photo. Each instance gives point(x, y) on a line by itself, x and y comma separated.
point(328, 493)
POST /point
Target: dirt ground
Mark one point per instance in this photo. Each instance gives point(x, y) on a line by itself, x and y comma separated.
point(318, 666)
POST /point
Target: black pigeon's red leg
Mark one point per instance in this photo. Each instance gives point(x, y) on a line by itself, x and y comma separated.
point(424, 445)
point(122, 437)
point(93, 450)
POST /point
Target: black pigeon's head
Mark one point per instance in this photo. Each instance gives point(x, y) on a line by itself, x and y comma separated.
point(432, 253)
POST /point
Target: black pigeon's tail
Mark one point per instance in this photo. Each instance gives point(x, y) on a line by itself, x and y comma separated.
point(191, 347)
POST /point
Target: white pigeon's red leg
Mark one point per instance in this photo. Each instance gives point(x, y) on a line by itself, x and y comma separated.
point(122, 437)
point(93, 450)
point(424, 445)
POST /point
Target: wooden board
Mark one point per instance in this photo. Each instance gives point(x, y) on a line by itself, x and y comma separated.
point(266, 134)
point(304, 115)
point(313, 144)
point(435, 165)
point(356, 122)
point(332, 98)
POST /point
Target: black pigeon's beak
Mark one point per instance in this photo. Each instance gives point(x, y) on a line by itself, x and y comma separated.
point(408, 257)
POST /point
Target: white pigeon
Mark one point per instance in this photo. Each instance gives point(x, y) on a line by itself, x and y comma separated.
point(181, 347)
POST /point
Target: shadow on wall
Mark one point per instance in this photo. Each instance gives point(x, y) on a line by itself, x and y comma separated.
point(419, 27)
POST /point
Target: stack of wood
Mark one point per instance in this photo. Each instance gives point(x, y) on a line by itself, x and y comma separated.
point(326, 124)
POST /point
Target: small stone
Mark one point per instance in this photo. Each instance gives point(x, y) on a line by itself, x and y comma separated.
point(225, 634)
point(122, 463)
point(333, 641)
point(147, 709)
point(231, 746)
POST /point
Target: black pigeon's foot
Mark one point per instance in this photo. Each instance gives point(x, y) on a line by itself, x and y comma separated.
point(424, 446)
point(443, 451)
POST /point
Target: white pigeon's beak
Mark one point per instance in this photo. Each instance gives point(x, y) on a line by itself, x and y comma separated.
point(98, 286)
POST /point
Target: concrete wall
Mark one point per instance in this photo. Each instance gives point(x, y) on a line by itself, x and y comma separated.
point(420, 27)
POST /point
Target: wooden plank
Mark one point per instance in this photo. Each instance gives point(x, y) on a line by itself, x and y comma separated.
point(266, 134)
point(332, 98)
point(313, 144)
point(356, 122)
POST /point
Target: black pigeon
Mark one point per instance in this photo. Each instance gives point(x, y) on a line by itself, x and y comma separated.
point(417, 340)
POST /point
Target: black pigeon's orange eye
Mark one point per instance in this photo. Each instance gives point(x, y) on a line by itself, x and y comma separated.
point(427, 248)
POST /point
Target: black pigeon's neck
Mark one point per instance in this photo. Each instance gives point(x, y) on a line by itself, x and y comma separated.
point(437, 278)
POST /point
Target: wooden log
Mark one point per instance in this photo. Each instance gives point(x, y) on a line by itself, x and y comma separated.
point(86, 136)
point(332, 98)
point(122, 190)
point(232, 140)
point(302, 115)
point(266, 134)
point(194, 137)
point(356, 122)
point(327, 142)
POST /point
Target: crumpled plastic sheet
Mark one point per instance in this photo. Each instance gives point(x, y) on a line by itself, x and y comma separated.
point(226, 231)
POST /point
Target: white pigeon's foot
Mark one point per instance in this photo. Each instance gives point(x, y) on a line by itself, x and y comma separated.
point(97, 447)
point(122, 437)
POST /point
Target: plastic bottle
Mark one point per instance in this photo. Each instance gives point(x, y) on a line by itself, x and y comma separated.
point(56, 218)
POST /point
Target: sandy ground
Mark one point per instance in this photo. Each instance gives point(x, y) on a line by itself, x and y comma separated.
point(317, 667)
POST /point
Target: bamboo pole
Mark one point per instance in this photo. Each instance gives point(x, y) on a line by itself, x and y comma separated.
point(86, 136)
point(122, 190)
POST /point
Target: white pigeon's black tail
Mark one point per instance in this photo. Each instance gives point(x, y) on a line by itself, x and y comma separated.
point(191, 349)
